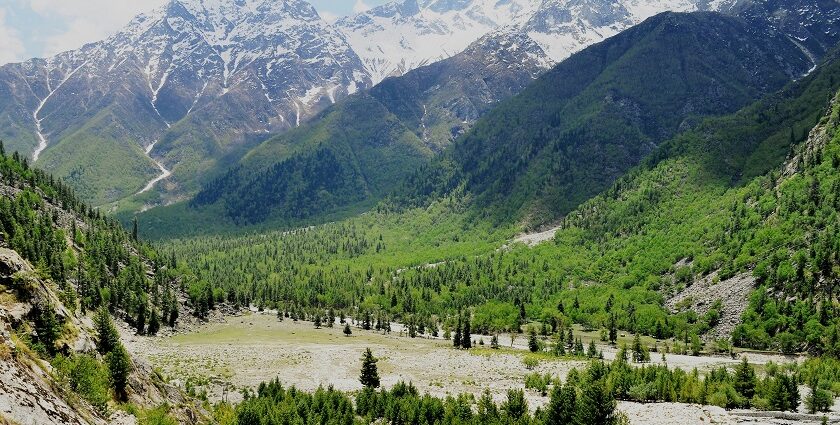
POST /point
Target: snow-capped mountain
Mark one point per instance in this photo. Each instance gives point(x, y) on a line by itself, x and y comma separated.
point(201, 77)
point(402, 35)
point(185, 90)
point(399, 36)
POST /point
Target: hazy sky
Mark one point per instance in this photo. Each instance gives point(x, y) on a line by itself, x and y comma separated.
point(39, 28)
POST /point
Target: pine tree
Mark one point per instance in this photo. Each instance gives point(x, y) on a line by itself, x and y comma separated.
point(369, 376)
point(819, 400)
point(317, 321)
point(140, 324)
point(559, 345)
point(47, 325)
point(456, 340)
point(134, 228)
point(466, 334)
point(347, 331)
point(366, 322)
point(119, 366)
point(154, 323)
point(745, 380)
point(562, 405)
point(533, 343)
point(173, 315)
point(596, 404)
point(592, 351)
point(107, 335)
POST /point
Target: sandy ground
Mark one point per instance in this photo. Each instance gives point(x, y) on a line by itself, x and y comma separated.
point(246, 350)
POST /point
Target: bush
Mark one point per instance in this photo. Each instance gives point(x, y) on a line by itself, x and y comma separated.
point(86, 376)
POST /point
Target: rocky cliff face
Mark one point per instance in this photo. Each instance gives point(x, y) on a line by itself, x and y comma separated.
point(28, 390)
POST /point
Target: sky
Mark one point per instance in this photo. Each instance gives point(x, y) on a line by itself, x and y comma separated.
point(42, 28)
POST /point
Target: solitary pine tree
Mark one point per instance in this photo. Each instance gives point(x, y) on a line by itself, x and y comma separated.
point(533, 343)
point(347, 330)
point(317, 321)
point(456, 340)
point(140, 324)
point(466, 334)
point(154, 323)
point(369, 376)
point(107, 335)
point(119, 366)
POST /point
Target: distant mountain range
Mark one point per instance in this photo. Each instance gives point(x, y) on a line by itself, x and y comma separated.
point(182, 92)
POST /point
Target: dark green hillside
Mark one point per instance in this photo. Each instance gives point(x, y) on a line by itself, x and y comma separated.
point(90, 257)
point(681, 217)
point(358, 150)
point(593, 117)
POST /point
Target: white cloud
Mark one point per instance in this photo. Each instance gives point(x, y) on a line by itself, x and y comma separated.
point(360, 6)
point(88, 20)
point(11, 46)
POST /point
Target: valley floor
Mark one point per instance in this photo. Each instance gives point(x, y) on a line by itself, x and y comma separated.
point(241, 351)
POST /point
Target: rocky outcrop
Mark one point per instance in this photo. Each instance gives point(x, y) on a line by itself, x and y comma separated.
point(700, 296)
point(28, 391)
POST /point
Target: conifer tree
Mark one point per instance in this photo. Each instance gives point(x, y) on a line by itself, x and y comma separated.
point(745, 380)
point(533, 343)
point(592, 350)
point(456, 340)
point(559, 345)
point(154, 323)
point(562, 405)
point(369, 376)
point(46, 325)
point(107, 335)
point(466, 334)
point(140, 324)
point(119, 366)
point(347, 330)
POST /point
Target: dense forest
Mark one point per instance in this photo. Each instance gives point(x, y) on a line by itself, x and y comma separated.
point(91, 257)
point(596, 115)
point(744, 194)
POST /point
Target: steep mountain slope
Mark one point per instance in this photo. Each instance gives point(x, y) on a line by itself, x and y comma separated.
point(402, 35)
point(156, 109)
point(749, 197)
point(372, 140)
point(60, 260)
point(682, 231)
point(597, 114)
point(399, 36)
point(190, 83)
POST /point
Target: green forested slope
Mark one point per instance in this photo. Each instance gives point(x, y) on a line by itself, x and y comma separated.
point(91, 258)
point(585, 123)
point(357, 149)
point(713, 202)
